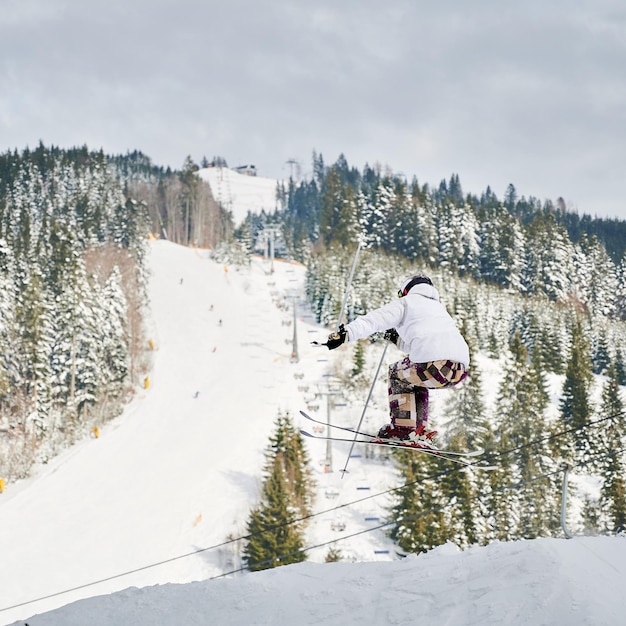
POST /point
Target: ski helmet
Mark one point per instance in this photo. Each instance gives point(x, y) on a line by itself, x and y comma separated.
point(409, 283)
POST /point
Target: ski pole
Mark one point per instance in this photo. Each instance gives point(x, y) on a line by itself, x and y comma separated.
point(347, 291)
point(367, 401)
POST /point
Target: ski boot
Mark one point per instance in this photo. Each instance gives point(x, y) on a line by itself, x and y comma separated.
point(417, 436)
point(423, 439)
point(394, 433)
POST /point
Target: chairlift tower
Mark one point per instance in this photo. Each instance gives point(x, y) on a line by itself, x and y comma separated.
point(329, 392)
point(294, 342)
point(293, 164)
point(269, 233)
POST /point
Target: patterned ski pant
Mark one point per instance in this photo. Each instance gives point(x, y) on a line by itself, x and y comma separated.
point(409, 384)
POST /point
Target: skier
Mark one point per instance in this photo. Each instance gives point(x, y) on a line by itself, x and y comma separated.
point(437, 354)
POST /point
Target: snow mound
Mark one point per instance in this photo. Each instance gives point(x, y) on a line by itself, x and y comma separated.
point(545, 581)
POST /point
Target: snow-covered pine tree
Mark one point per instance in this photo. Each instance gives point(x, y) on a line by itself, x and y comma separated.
point(425, 230)
point(575, 403)
point(520, 408)
point(338, 218)
point(611, 462)
point(467, 428)
point(77, 342)
point(113, 327)
point(458, 239)
point(276, 538)
point(548, 267)
point(620, 291)
point(7, 328)
point(417, 514)
point(595, 278)
point(620, 367)
point(287, 443)
point(33, 324)
point(601, 358)
point(376, 216)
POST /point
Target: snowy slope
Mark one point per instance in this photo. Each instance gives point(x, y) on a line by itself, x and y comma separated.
point(182, 467)
point(545, 581)
point(240, 193)
point(178, 472)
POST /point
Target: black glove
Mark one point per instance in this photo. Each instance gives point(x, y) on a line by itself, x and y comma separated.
point(392, 336)
point(336, 339)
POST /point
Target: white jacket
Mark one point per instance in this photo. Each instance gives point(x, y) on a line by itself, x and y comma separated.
point(426, 330)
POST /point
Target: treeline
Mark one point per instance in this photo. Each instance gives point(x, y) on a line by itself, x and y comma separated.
point(517, 243)
point(489, 315)
point(72, 277)
point(74, 226)
point(180, 205)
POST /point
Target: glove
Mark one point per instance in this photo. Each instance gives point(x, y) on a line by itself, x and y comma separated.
point(392, 336)
point(336, 339)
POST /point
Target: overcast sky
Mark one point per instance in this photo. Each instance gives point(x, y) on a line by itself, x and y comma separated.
point(497, 91)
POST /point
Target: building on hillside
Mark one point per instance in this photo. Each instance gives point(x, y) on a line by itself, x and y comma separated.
point(248, 170)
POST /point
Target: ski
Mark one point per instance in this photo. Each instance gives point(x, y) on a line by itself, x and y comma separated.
point(350, 430)
point(376, 440)
point(436, 452)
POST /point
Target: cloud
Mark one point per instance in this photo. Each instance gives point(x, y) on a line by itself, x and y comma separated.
point(532, 93)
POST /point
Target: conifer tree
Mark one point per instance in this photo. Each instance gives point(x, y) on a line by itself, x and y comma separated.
point(113, 324)
point(358, 362)
point(620, 292)
point(468, 425)
point(468, 428)
point(575, 401)
point(76, 349)
point(33, 323)
point(549, 350)
point(601, 358)
point(520, 406)
point(337, 211)
point(287, 445)
point(596, 277)
point(7, 327)
point(276, 538)
point(620, 368)
point(610, 463)
point(549, 259)
point(418, 516)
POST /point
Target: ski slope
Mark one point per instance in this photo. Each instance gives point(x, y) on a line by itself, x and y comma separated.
point(116, 529)
point(181, 468)
point(240, 193)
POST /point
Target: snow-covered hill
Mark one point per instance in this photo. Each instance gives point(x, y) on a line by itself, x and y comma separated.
point(546, 581)
point(241, 193)
point(176, 474)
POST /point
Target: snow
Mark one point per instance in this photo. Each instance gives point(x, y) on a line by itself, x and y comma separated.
point(131, 527)
point(241, 193)
point(545, 581)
